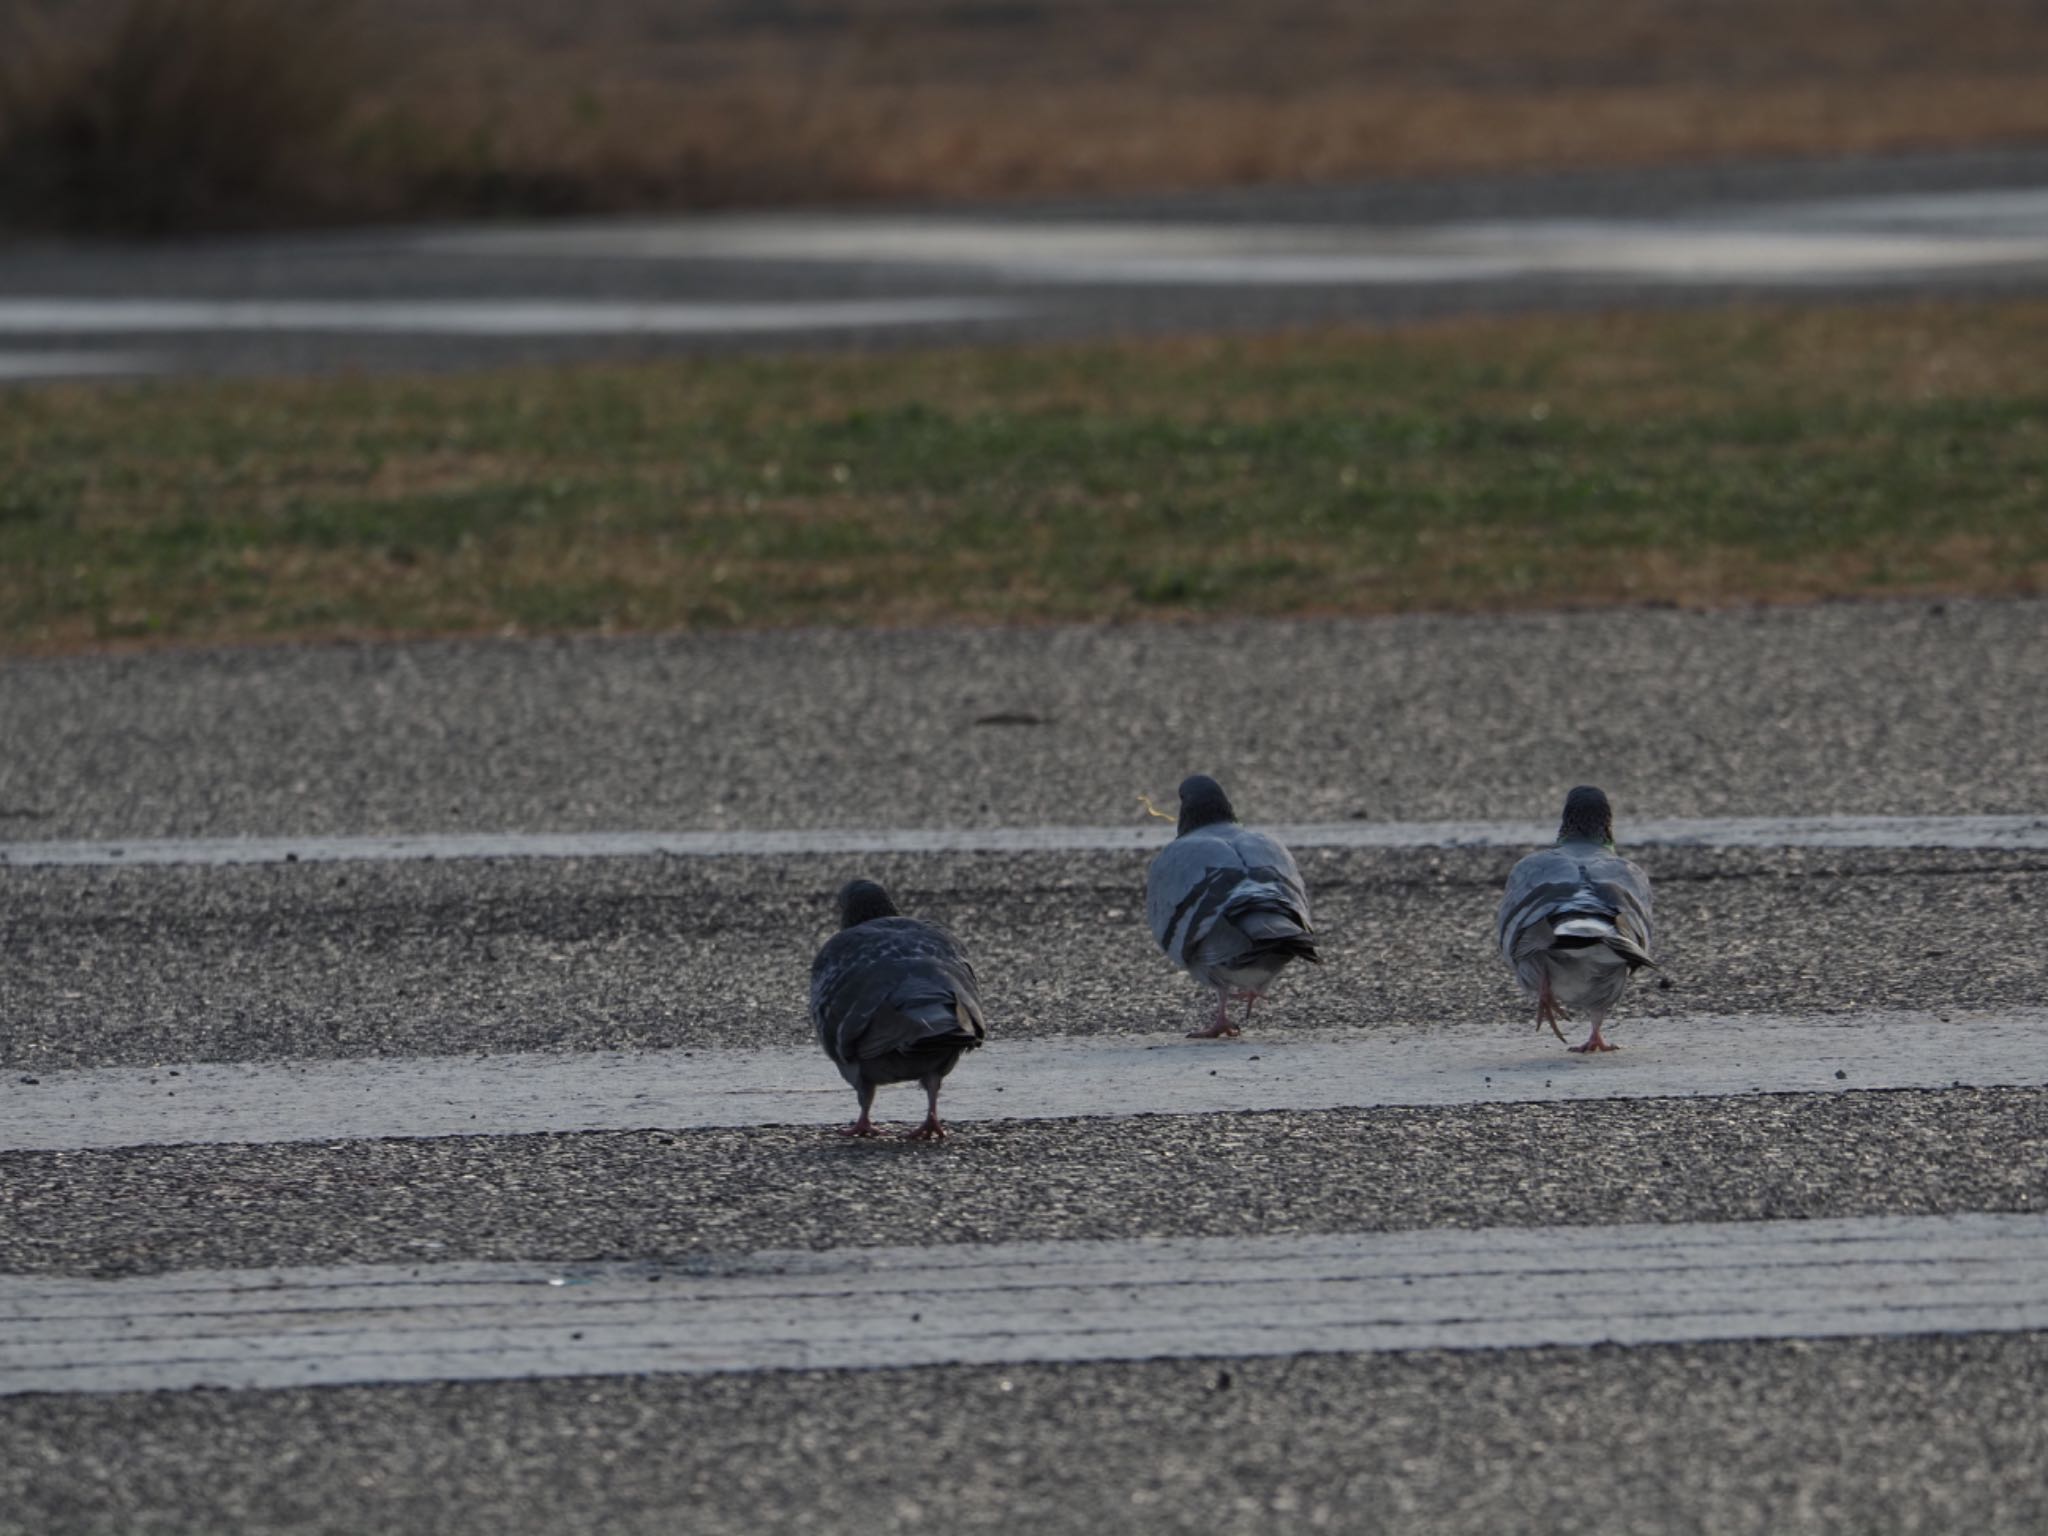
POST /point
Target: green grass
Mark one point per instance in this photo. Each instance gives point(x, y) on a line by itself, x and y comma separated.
point(1693, 459)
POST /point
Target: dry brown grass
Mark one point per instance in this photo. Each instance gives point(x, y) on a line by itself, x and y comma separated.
point(914, 98)
point(540, 106)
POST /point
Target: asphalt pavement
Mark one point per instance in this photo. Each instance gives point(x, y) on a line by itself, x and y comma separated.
point(1925, 1436)
point(413, 299)
point(1884, 708)
point(137, 967)
point(1889, 710)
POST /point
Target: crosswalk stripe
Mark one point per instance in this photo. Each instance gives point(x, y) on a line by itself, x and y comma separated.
point(1496, 1288)
point(2017, 833)
point(1057, 1078)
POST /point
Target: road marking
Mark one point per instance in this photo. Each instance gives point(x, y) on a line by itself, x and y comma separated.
point(72, 365)
point(1798, 242)
point(483, 317)
point(2018, 833)
point(529, 1094)
point(1052, 250)
point(1011, 1303)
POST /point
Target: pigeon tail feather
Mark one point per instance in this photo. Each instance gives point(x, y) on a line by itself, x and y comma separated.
point(912, 1026)
point(1584, 932)
point(921, 1039)
point(1272, 927)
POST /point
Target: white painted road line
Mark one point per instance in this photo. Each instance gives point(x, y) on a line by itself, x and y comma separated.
point(1501, 1288)
point(227, 1103)
point(2017, 833)
point(483, 317)
point(1781, 243)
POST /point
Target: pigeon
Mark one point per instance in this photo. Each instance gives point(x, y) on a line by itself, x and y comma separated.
point(1575, 920)
point(1226, 904)
point(894, 1001)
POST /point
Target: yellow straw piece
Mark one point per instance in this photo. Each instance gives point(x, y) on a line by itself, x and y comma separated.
point(1153, 810)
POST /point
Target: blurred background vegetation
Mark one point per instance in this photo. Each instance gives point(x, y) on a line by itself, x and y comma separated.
point(159, 116)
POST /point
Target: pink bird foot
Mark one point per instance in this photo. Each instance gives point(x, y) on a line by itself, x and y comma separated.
point(1223, 1028)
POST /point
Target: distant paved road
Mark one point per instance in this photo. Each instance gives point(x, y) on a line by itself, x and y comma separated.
point(408, 299)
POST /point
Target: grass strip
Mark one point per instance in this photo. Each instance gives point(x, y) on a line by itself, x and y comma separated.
point(1699, 458)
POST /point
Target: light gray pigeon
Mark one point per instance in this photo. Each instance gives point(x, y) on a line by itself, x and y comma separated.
point(1226, 904)
point(894, 1001)
point(1575, 919)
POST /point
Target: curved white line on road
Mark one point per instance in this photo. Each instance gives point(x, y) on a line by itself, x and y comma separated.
point(2020, 833)
point(1778, 243)
point(1012, 1303)
point(482, 317)
point(214, 1103)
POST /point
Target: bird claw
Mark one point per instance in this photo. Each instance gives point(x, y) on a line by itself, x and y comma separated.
point(931, 1130)
point(1215, 1032)
point(1592, 1047)
point(859, 1128)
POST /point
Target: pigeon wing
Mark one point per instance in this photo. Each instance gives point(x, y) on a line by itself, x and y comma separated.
point(1554, 884)
point(1222, 882)
point(889, 987)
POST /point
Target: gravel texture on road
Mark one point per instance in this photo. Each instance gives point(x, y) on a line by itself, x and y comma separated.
point(1919, 1435)
point(1877, 708)
point(642, 1195)
point(113, 967)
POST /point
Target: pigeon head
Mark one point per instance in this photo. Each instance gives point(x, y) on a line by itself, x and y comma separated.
point(862, 901)
point(1588, 818)
point(1202, 803)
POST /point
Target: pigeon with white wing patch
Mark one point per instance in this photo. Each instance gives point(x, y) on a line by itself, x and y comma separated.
point(1226, 903)
point(1574, 923)
point(894, 1001)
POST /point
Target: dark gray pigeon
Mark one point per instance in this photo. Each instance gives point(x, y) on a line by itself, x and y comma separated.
point(894, 1001)
point(1575, 919)
point(1225, 903)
